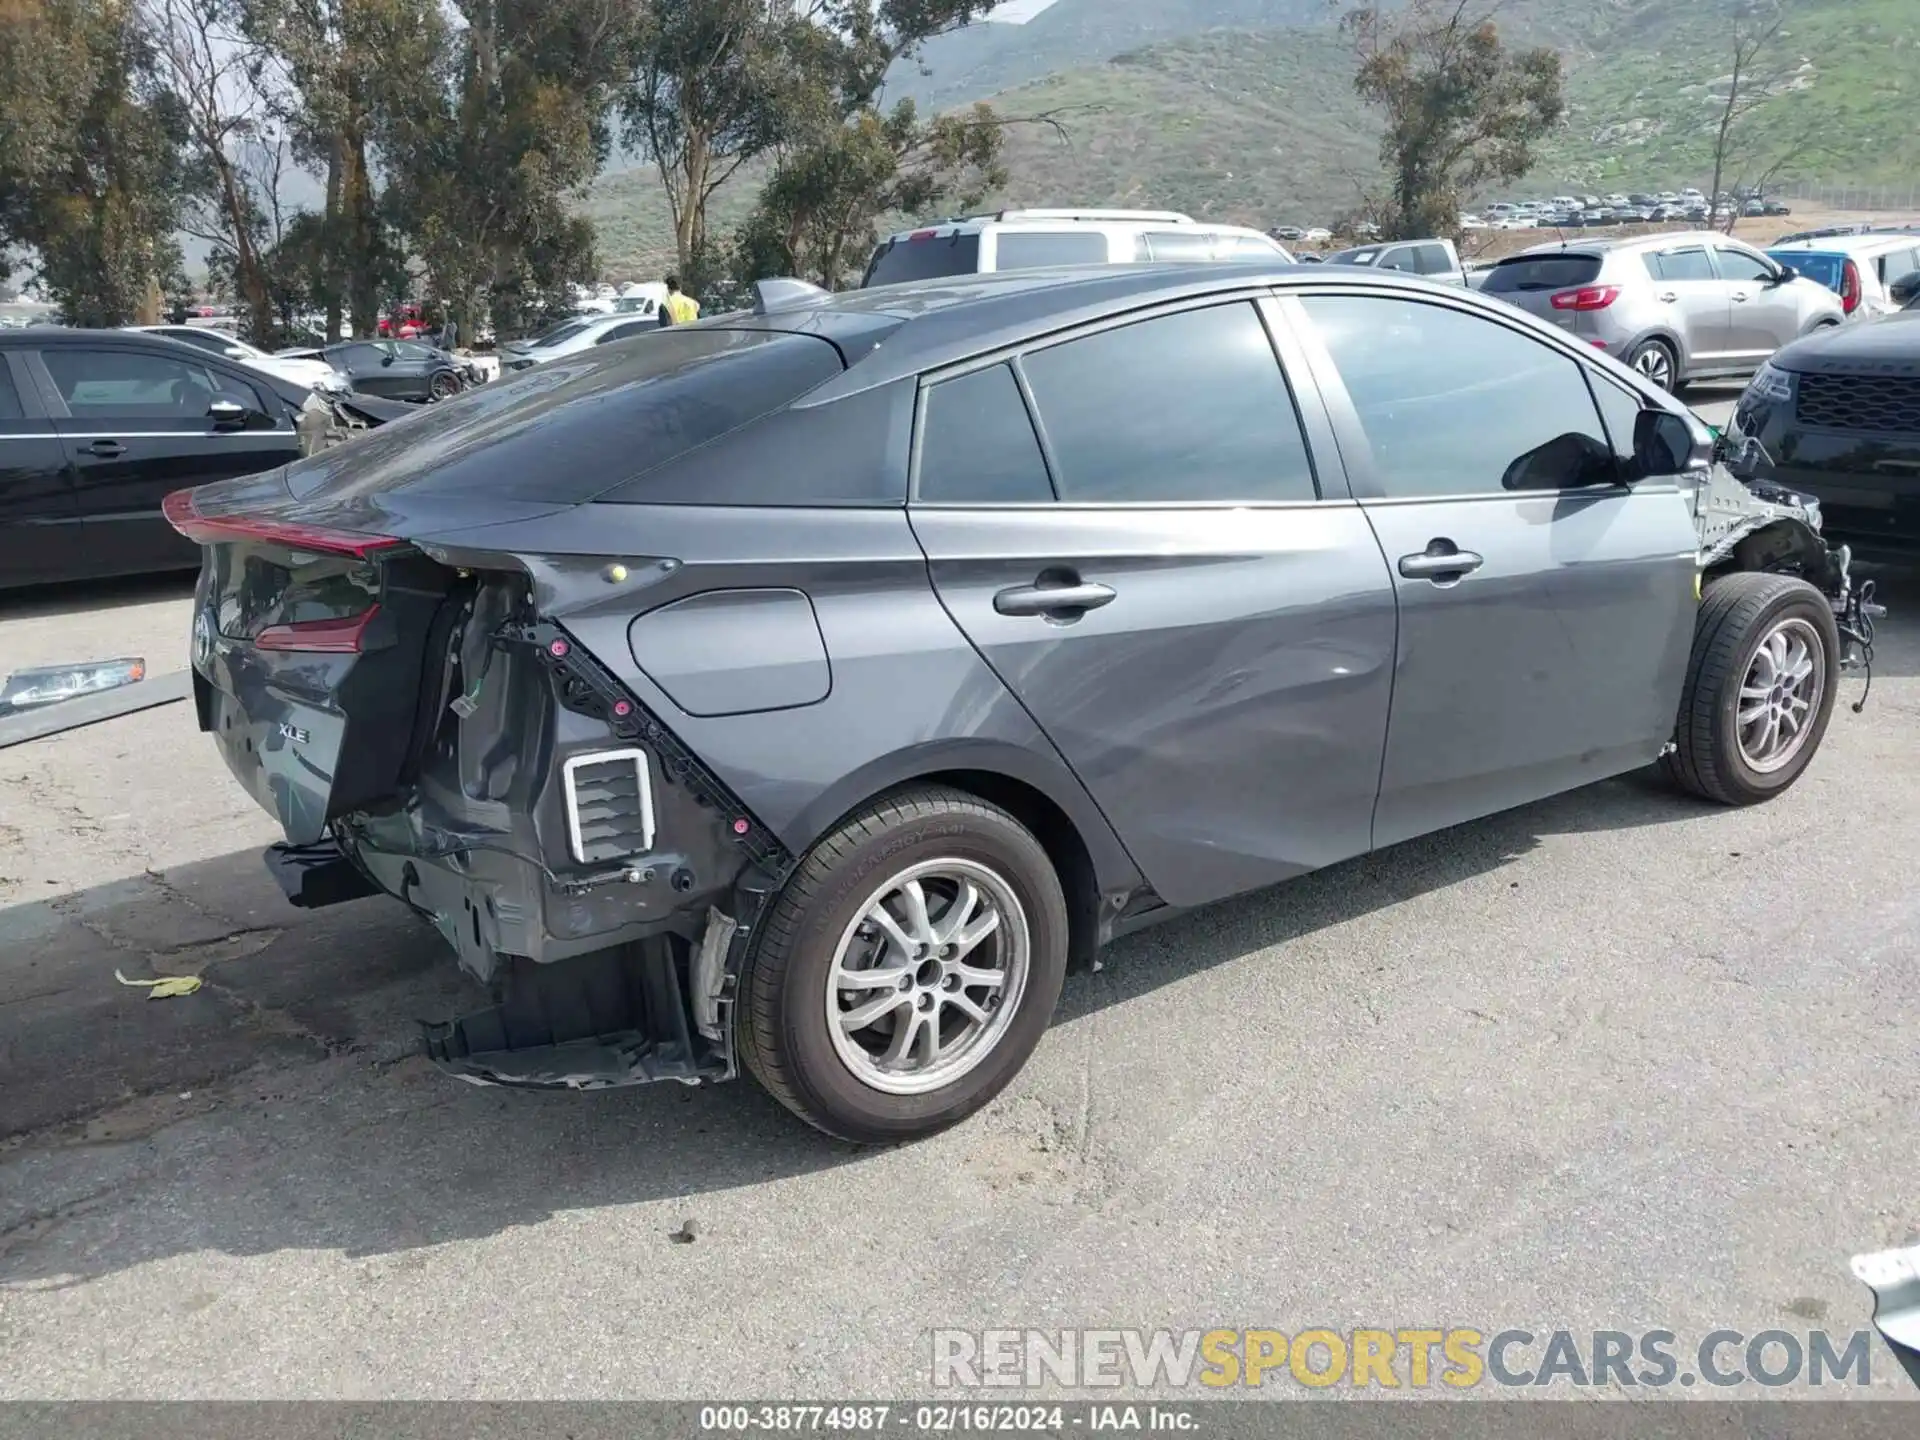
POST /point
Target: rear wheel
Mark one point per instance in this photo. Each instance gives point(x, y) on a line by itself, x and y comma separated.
point(1760, 688)
point(908, 969)
point(444, 386)
point(1655, 360)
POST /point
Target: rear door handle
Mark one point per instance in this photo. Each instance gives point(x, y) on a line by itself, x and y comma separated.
point(106, 449)
point(1668, 296)
point(1440, 561)
point(1060, 601)
point(1740, 297)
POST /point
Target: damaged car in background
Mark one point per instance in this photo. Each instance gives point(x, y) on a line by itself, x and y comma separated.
point(811, 688)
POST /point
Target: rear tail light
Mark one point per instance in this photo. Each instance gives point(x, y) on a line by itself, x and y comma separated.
point(184, 515)
point(1587, 297)
point(345, 635)
point(1850, 287)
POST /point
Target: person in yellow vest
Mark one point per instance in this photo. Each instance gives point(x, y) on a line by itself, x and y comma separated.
point(680, 308)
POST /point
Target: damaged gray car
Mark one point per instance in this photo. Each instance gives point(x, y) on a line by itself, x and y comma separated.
point(812, 687)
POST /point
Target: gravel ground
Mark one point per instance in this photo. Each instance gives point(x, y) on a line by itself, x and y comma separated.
point(1615, 1060)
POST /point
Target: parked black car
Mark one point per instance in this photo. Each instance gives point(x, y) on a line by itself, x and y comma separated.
point(1837, 416)
point(97, 426)
point(397, 369)
point(804, 689)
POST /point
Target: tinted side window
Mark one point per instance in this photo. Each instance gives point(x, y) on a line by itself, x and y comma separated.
point(977, 443)
point(1189, 407)
point(1456, 404)
point(129, 383)
point(1431, 259)
point(1738, 265)
point(1405, 258)
point(1681, 265)
point(1186, 245)
point(1620, 408)
point(1032, 249)
point(9, 397)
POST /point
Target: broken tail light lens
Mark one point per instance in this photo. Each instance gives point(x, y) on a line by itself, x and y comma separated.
point(344, 635)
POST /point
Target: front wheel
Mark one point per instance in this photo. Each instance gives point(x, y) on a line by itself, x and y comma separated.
point(443, 386)
point(908, 969)
point(1760, 688)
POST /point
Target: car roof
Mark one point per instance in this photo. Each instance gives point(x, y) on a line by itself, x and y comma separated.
point(1633, 244)
point(1854, 244)
point(893, 331)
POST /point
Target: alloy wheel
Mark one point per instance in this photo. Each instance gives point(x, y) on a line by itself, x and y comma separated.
point(928, 976)
point(1781, 694)
point(1654, 363)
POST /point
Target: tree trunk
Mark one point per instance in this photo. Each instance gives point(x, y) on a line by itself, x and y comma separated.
point(247, 275)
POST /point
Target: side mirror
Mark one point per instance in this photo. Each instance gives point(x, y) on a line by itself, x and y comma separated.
point(1665, 444)
point(229, 412)
point(1787, 273)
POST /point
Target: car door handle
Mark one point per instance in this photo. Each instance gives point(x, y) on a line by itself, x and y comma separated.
point(1060, 601)
point(1740, 297)
point(106, 449)
point(1440, 561)
point(1668, 297)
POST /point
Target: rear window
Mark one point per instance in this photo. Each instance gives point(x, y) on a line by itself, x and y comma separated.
point(581, 424)
point(1526, 273)
point(1827, 269)
point(933, 258)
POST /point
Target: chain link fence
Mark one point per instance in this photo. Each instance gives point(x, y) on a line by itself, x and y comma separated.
point(1904, 196)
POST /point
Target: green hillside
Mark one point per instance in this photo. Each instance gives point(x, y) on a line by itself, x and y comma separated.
point(1258, 123)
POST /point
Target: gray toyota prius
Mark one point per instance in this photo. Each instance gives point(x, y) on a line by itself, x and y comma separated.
point(813, 687)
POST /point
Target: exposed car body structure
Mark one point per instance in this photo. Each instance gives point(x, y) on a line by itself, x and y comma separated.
point(808, 687)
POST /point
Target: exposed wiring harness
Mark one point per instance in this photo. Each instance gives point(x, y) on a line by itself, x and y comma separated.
point(1856, 629)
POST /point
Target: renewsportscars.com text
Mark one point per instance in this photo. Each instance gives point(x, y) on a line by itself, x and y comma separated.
point(1458, 1358)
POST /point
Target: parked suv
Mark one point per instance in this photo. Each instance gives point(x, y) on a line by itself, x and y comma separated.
point(1674, 307)
point(1032, 239)
point(1881, 260)
point(806, 688)
point(1435, 259)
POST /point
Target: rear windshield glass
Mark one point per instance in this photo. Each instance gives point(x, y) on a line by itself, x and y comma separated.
point(1541, 272)
point(1822, 266)
point(933, 258)
point(580, 425)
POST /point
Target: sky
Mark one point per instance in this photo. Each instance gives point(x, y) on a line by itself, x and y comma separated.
point(1019, 11)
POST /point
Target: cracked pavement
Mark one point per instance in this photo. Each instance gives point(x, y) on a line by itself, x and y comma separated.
point(1615, 1060)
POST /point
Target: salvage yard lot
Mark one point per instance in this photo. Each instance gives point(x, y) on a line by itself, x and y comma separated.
point(1613, 1060)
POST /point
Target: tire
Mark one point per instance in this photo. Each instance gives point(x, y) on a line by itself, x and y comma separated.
point(443, 386)
point(837, 1076)
point(1740, 613)
point(1656, 360)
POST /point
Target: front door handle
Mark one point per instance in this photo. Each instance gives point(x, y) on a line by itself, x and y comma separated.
point(106, 449)
point(1442, 561)
point(1668, 296)
point(1740, 297)
point(1059, 601)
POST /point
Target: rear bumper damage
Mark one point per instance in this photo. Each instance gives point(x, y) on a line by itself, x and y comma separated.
point(600, 972)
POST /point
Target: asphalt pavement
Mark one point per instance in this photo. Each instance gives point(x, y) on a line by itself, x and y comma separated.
point(1616, 1060)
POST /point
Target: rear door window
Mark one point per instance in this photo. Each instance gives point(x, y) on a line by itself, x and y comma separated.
point(933, 258)
point(1431, 259)
point(1036, 249)
point(1187, 408)
point(9, 397)
point(1526, 274)
point(977, 445)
